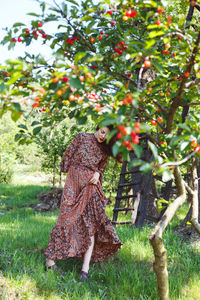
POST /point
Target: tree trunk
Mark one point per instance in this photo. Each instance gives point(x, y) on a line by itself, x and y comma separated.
point(160, 253)
point(60, 178)
point(160, 266)
point(54, 170)
point(195, 200)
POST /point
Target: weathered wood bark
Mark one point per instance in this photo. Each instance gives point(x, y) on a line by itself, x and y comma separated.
point(54, 170)
point(160, 266)
point(60, 178)
point(160, 253)
point(177, 99)
point(195, 200)
point(194, 185)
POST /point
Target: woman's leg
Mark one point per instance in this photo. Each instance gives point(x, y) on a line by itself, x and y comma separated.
point(87, 256)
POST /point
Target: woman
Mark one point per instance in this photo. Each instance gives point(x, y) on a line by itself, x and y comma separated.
point(83, 229)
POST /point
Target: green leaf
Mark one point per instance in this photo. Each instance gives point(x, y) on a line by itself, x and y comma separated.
point(166, 176)
point(14, 78)
point(33, 14)
point(75, 83)
point(64, 7)
point(15, 115)
point(36, 130)
point(153, 149)
point(149, 43)
point(16, 106)
point(184, 126)
point(79, 56)
point(35, 123)
point(153, 34)
point(135, 162)
point(184, 144)
point(174, 141)
point(188, 224)
point(42, 5)
point(18, 24)
point(23, 126)
point(72, 1)
point(145, 168)
point(2, 87)
point(138, 150)
point(28, 40)
point(145, 127)
point(158, 66)
point(108, 121)
point(116, 147)
point(17, 137)
point(82, 120)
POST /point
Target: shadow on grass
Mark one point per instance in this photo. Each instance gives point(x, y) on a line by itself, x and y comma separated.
point(127, 275)
point(20, 195)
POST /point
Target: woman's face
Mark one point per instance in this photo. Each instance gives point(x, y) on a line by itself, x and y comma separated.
point(101, 134)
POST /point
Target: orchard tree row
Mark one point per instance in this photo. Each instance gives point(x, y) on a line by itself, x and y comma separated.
point(133, 64)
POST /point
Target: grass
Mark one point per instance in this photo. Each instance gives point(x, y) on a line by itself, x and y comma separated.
point(127, 275)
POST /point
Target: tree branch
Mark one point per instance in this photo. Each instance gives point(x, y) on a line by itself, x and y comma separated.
point(75, 29)
point(177, 99)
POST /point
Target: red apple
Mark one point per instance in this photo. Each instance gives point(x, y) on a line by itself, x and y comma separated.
point(160, 119)
point(147, 64)
point(65, 79)
point(157, 22)
point(119, 135)
point(153, 122)
point(109, 12)
point(186, 74)
point(160, 10)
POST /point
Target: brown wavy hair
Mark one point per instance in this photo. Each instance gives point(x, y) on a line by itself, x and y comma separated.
point(107, 147)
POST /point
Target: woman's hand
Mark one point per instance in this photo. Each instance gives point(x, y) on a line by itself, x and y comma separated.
point(95, 178)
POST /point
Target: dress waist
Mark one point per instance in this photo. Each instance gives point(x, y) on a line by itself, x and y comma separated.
point(82, 166)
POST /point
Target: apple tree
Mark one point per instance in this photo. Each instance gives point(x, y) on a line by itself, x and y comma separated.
point(133, 64)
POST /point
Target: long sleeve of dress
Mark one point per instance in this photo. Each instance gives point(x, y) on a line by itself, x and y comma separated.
point(101, 167)
point(67, 157)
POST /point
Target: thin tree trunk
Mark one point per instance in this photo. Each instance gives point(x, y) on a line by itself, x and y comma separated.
point(54, 169)
point(195, 200)
point(60, 178)
point(160, 253)
point(160, 266)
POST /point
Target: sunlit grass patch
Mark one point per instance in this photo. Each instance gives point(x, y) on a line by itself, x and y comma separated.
point(127, 275)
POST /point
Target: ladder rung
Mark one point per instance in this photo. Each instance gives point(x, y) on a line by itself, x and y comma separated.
point(123, 209)
point(121, 222)
point(131, 172)
point(126, 196)
point(128, 184)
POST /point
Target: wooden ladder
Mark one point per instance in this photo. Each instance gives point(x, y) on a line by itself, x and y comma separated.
point(140, 186)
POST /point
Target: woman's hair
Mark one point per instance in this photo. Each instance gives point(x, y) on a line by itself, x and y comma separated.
point(107, 147)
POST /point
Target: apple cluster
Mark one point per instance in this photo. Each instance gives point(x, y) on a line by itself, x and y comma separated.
point(120, 48)
point(128, 141)
point(34, 33)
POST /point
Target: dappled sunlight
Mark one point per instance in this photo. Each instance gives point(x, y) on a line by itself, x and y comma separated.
point(11, 287)
point(50, 219)
point(192, 289)
point(25, 234)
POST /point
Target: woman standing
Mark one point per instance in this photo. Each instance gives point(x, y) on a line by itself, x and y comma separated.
point(83, 229)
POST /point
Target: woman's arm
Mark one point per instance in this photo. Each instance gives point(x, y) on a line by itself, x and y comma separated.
point(98, 175)
point(101, 167)
point(67, 157)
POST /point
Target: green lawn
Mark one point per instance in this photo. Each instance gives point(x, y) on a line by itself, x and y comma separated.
point(24, 235)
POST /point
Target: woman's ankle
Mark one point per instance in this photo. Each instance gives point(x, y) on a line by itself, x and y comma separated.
point(50, 262)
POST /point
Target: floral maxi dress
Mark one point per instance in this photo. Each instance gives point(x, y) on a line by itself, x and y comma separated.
point(82, 210)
